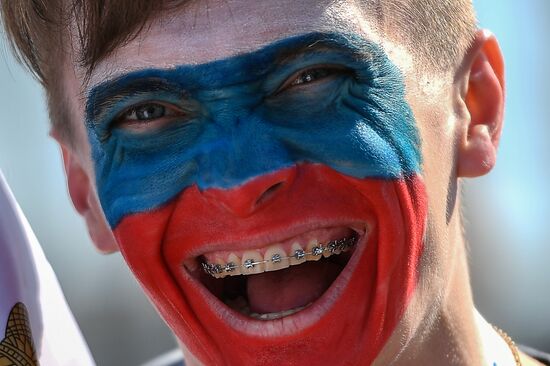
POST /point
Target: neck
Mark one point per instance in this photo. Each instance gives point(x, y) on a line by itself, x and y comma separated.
point(451, 331)
point(440, 328)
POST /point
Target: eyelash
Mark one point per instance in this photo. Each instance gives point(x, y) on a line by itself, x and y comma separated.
point(144, 111)
point(310, 76)
point(133, 118)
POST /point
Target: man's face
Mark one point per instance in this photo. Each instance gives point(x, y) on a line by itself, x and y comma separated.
point(260, 165)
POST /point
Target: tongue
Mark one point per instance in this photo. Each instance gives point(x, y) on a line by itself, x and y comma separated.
point(273, 292)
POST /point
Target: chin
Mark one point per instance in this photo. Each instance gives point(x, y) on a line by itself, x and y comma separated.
point(318, 271)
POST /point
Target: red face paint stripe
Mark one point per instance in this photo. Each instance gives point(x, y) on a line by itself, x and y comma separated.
point(360, 319)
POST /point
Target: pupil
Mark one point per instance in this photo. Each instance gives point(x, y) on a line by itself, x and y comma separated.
point(312, 75)
point(150, 111)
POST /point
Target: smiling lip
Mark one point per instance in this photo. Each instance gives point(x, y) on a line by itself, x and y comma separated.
point(298, 320)
point(274, 236)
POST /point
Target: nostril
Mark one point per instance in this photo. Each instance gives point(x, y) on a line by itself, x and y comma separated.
point(269, 193)
point(244, 199)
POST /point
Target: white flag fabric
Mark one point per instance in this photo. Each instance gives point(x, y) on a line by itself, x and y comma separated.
point(36, 324)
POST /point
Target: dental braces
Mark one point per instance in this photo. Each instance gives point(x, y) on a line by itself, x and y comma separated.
point(299, 254)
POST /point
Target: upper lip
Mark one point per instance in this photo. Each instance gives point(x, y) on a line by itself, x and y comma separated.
point(271, 236)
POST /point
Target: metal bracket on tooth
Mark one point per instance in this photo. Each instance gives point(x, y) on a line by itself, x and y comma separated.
point(333, 246)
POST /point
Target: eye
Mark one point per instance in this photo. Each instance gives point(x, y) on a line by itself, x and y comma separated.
point(145, 112)
point(311, 76)
point(147, 117)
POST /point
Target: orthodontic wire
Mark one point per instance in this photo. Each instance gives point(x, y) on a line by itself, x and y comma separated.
point(299, 254)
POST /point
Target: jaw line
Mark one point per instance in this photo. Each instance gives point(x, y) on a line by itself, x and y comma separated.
point(294, 323)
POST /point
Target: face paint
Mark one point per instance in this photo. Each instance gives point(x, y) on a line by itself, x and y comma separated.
point(307, 134)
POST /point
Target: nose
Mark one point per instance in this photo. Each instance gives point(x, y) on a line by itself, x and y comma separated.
point(253, 195)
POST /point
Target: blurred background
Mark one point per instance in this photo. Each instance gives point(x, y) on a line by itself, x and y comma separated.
point(507, 211)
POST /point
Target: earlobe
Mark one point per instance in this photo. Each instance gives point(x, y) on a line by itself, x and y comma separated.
point(484, 100)
point(86, 203)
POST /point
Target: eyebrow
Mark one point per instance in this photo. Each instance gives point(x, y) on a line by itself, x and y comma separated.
point(257, 62)
point(108, 94)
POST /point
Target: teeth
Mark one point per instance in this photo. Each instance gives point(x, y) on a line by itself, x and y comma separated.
point(252, 262)
point(234, 260)
point(214, 269)
point(241, 305)
point(275, 258)
point(297, 254)
point(273, 316)
point(332, 248)
point(316, 250)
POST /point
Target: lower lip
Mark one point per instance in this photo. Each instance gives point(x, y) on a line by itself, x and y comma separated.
point(290, 324)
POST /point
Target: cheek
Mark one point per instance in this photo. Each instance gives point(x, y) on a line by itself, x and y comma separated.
point(438, 129)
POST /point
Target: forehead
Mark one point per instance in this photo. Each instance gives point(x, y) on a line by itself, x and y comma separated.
point(203, 31)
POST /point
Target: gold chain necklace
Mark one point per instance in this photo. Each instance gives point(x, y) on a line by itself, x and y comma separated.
point(510, 343)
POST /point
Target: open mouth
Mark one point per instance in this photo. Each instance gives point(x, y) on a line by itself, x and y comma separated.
point(281, 279)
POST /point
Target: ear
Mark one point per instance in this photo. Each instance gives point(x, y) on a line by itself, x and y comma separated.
point(86, 202)
point(483, 94)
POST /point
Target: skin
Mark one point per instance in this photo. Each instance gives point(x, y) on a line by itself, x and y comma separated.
point(458, 115)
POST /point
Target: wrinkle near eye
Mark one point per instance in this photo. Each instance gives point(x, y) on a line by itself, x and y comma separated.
point(241, 127)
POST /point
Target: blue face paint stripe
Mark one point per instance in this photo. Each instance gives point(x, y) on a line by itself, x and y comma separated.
point(241, 69)
point(241, 124)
